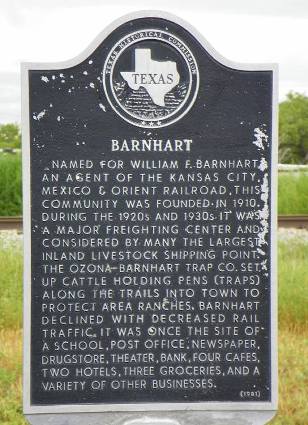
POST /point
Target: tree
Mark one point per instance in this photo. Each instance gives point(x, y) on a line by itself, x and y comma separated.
point(10, 136)
point(293, 129)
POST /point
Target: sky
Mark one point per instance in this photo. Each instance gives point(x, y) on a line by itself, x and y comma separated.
point(240, 30)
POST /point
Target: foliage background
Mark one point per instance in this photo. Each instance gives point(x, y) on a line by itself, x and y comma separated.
point(293, 129)
point(10, 136)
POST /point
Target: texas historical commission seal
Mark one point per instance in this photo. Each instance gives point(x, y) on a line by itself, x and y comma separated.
point(151, 78)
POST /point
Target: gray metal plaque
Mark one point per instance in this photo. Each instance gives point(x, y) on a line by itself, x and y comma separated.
point(149, 220)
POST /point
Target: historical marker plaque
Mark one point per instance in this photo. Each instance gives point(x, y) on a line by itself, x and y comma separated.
point(149, 227)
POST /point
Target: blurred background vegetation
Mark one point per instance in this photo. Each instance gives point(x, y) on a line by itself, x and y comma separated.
point(293, 129)
point(10, 137)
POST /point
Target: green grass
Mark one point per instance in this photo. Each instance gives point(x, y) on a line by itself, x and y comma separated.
point(10, 288)
point(10, 378)
point(293, 284)
point(293, 193)
point(293, 378)
point(293, 334)
point(10, 184)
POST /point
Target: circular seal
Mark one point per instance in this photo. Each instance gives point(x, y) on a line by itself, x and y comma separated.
point(151, 78)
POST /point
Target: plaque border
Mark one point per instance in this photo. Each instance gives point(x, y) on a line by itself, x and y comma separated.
point(29, 408)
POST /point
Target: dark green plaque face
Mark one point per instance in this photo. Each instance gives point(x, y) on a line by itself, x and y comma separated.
point(151, 224)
